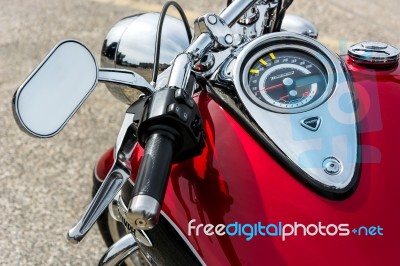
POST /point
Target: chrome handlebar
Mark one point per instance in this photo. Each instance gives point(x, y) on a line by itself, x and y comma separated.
point(184, 62)
point(144, 210)
point(178, 79)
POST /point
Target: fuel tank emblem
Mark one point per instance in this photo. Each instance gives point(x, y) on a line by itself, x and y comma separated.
point(311, 123)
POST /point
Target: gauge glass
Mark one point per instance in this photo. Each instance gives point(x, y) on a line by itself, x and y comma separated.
point(286, 79)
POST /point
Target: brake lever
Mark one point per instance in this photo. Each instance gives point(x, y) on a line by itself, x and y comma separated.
point(116, 177)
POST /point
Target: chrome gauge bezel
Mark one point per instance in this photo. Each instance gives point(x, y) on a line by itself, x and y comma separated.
point(254, 50)
point(302, 148)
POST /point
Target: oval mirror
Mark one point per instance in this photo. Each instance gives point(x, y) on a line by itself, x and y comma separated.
point(55, 90)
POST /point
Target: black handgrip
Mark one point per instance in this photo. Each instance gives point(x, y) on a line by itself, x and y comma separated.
point(152, 180)
point(155, 166)
point(171, 130)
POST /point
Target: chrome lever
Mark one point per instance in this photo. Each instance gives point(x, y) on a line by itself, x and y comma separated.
point(110, 187)
point(125, 78)
point(116, 178)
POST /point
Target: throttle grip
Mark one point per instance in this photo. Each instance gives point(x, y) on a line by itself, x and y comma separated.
point(152, 179)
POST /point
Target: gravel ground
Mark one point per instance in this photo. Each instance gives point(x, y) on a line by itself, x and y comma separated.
point(46, 184)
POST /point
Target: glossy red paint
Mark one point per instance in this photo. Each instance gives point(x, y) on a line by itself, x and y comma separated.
point(104, 164)
point(236, 180)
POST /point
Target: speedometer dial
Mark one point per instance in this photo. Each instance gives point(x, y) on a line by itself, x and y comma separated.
point(287, 80)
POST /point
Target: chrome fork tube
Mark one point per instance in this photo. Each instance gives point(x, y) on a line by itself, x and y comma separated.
point(235, 10)
point(118, 252)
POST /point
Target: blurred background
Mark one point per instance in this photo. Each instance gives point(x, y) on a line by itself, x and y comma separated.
point(45, 185)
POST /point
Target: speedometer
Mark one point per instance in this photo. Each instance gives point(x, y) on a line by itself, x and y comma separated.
point(287, 80)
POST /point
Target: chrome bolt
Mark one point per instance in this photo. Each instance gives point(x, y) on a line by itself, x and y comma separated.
point(140, 222)
point(229, 39)
point(212, 19)
point(149, 258)
point(332, 166)
point(121, 157)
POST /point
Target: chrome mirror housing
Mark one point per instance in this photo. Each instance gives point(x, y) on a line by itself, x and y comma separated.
point(61, 83)
point(130, 44)
point(299, 25)
point(55, 90)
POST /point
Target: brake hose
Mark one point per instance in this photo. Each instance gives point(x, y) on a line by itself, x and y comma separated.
point(159, 32)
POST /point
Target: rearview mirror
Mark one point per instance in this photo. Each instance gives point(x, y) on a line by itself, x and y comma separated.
point(55, 90)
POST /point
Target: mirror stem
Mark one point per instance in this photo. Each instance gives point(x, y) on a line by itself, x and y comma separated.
point(125, 78)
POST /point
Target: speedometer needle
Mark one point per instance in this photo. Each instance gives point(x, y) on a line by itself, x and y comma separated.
point(271, 88)
point(285, 97)
point(305, 94)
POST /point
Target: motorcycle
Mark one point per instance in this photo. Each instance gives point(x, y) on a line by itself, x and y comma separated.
point(255, 144)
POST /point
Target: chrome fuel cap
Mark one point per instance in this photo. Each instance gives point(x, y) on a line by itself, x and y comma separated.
point(372, 54)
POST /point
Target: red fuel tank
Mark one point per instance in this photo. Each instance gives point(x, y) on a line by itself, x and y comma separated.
point(238, 206)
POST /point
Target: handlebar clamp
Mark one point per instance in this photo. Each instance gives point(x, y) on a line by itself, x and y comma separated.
point(218, 30)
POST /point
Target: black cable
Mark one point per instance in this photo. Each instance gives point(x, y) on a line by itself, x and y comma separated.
point(159, 31)
point(285, 5)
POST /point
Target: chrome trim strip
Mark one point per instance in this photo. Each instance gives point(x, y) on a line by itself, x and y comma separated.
point(184, 238)
point(96, 175)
